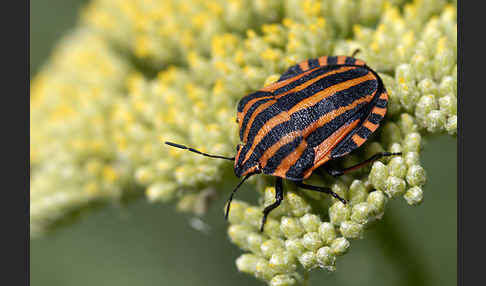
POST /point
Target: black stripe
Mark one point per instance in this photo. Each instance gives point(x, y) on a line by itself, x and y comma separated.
point(252, 161)
point(261, 147)
point(339, 99)
point(381, 103)
point(313, 63)
point(323, 132)
point(249, 113)
point(246, 99)
point(281, 153)
point(306, 160)
point(350, 61)
point(290, 100)
point(239, 169)
point(291, 72)
point(346, 146)
point(295, 70)
point(305, 78)
point(375, 118)
point(363, 132)
point(331, 60)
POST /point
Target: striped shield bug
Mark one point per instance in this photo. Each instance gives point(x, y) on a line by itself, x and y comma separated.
point(319, 110)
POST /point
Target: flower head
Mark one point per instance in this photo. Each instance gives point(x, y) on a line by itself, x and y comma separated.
point(134, 74)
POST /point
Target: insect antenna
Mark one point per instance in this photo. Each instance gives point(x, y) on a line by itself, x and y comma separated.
point(228, 204)
point(198, 152)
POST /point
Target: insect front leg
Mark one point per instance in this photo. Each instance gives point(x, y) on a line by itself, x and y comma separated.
point(278, 201)
point(337, 173)
point(321, 190)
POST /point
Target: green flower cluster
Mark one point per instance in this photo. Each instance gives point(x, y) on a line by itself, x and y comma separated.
point(420, 50)
point(72, 162)
point(136, 73)
point(312, 229)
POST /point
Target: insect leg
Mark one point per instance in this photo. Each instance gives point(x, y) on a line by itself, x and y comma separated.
point(355, 52)
point(278, 200)
point(320, 189)
point(373, 158)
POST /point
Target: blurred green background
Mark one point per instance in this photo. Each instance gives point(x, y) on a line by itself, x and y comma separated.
point(152, 244)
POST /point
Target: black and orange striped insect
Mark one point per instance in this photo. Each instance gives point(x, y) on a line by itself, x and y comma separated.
point(320, 109)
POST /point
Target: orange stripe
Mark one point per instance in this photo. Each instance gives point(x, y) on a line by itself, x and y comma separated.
point(309, 82)
point(322, 150)
point(323, 61)
point(370, 125)
point(237, 154)
point(304, 65)
point(384, 96)
point(358, 140)
point(327, 145)
point(290, 160)
point(239, 116)
point(274, 121)
point(341, 60)
point(276, 85)
point(359, 62)
point(274, 148)
point(255, 113)
point(251, 102)
point(251, 170)
point(379, 111)
point(333, 114)
point(308, 102)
